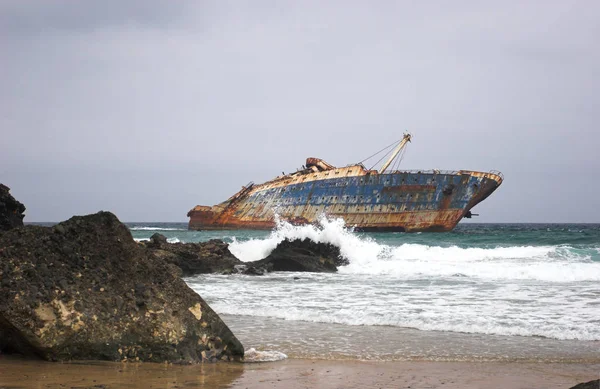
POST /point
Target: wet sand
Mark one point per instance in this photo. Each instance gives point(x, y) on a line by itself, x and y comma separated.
point(294, 373)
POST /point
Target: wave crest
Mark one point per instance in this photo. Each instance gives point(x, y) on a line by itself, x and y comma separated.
point(561, 263)
point(156, 229)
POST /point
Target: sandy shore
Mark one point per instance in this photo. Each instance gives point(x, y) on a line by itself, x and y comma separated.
point(294, 373)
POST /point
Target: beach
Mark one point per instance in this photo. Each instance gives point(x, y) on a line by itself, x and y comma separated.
point(485, 306)
point(294, 373)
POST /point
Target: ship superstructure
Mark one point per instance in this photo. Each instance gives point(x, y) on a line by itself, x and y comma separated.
point(368, 200)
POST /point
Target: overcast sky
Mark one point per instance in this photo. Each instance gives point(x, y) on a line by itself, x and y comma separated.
point(147, 108)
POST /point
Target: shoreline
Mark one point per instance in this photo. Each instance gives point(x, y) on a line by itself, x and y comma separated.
point(303, 339)
point(16, 373)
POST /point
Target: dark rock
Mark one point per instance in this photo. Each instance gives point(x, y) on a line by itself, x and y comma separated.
point(194, 258)
point(254, 271)
point(588, 385)
point(110, 300)
point(302, 256)
point(157, 241)
point(214, 257)
point(11, 211)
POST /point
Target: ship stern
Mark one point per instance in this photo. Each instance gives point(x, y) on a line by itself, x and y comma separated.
point(201, 217)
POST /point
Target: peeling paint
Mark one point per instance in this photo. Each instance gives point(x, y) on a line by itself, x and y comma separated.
point(409, 201)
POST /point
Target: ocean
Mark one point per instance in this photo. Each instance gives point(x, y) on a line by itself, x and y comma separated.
point(483, 292)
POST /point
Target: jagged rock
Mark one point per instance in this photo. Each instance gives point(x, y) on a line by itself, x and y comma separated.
point(214, 257)
point(11, 211)
point(85, 290)
point(588, 385)
point(302, 256)
point(194, 258)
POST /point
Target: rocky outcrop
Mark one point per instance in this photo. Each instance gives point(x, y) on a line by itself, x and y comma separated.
point(588, 385)
point(85, 290)
point(214, 257)
point(301, 256)
point(11, 211)
point(193, 258)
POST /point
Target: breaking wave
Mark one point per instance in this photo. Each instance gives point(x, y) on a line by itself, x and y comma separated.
point(156, 229)
point(560, 263)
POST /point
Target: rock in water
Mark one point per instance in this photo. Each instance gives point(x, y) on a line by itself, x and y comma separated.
point(11, 211)
point(302, 255)
point(157, 241)
point(193, 258)
point(85, 290)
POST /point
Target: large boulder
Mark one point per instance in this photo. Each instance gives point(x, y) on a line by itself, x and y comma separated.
point(85, 290)
point(193, 258)
point(11, 211)
point(301, 256)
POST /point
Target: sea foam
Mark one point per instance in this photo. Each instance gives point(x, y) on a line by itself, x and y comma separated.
point(429, 282)
point(560, 263)
point(252, 355)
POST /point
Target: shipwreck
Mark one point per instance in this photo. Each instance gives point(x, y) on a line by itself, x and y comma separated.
point(385, 199)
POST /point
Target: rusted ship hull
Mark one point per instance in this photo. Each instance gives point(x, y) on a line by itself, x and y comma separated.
point(365, 199)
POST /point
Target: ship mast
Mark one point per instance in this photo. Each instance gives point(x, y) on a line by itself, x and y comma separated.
point(405, 140)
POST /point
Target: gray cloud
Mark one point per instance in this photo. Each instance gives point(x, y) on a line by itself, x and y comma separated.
point(150, 108)
point(30, 18)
